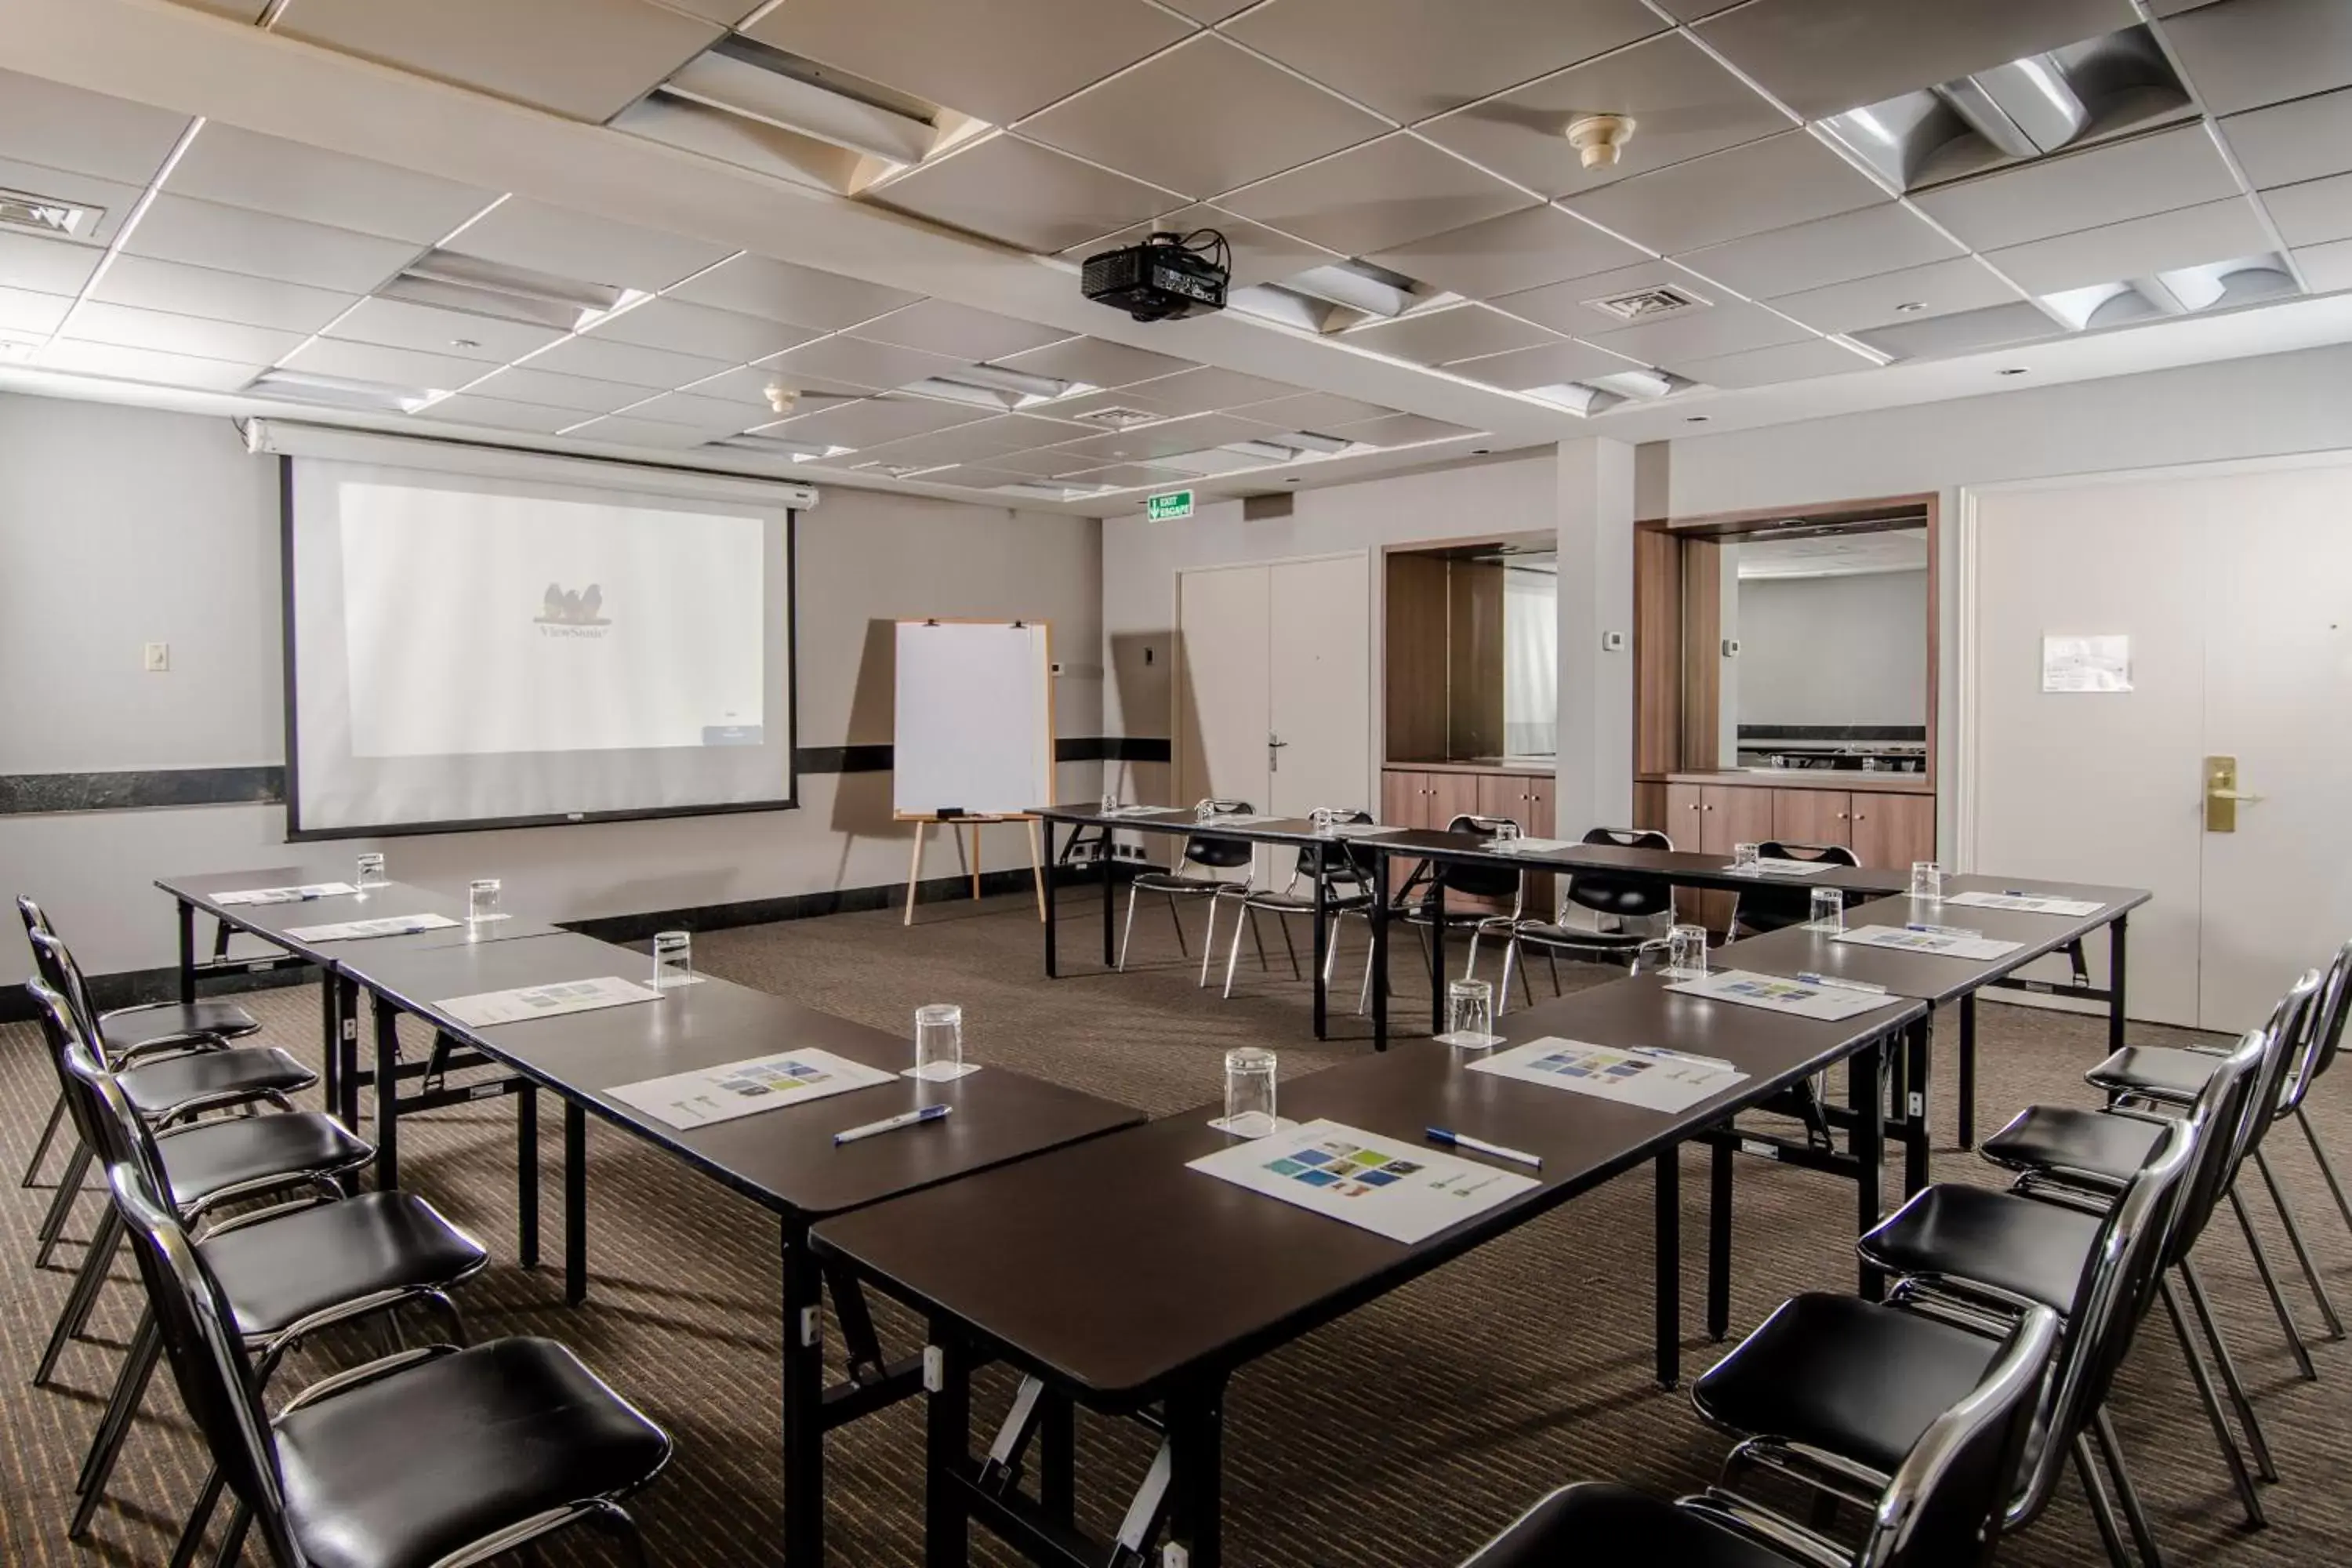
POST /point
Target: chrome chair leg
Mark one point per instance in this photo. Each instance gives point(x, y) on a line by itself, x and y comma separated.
point(1364, 991)
point(1234, 949)
point(48, 1136)
point(2103, 1438)
point(1176, 919)
point(1209, 939)
point(2103, 1508)
point(1249, 916)
point(2326, 1166)
point(1331, 948)
point(52, 1223)
point(2302, 1252)
point(2244, 1483)
point(2250, 1424)
point(192, 1535)
point(1127, 933)
point(129, 1392)
point(232, 1543)
point(1282, 925)
point(1510, 957)
point(87, 1285)
point(2270, 1288)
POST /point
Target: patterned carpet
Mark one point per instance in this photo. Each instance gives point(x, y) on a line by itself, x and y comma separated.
point(1405, 1433)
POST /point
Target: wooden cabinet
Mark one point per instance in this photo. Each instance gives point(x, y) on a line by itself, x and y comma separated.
point(1404, 798)
point(1524, 798)
point(1894, 829)
point(1813, 816)
point(1711, 818)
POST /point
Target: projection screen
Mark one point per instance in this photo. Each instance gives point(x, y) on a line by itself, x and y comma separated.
point(504, 639)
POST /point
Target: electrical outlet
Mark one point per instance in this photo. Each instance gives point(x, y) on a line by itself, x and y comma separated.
point(1613, 642)
point(1731, 647)
point(158, 660)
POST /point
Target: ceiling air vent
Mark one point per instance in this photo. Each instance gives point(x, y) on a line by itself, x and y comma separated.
point(1649, 304)
point(1118, 418)
point(47, 215)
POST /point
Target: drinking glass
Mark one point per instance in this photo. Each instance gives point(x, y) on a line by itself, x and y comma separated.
point(371, 872)
point(1927, 879)
point(1111, 803)
point(1829, 911)
point(673, 959)
point(482, 899)
point(1745, 856)
point(1687, 953)
point(1205, 810)
point(1469, 1012)
point(1249, 1093)
point(938, 1040)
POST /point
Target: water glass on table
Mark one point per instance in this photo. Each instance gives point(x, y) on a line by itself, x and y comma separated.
point(372, 873)
point(1927, 879)
point(1829, 911)
point(481, 899)
point(1687, 953)
point(673, 959)
point(1470, 1015)
point(939, 1041)
point(1249, 1093)
point(1744, 857)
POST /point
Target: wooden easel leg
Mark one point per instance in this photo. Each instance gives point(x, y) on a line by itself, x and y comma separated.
point(914, 873)
point(971, 859)
point(1036, 868)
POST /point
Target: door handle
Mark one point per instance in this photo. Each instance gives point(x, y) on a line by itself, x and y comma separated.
point(2223, 795)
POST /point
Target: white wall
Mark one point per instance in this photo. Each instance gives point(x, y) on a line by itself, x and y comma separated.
point(1834, 650)
point(120, 526)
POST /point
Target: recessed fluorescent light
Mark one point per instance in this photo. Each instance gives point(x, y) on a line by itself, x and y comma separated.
point(792, 451)
point(1266, 450)
point(1576, 396)
point(1308, 441)
point(1645, 383)
point(454, 281)
point(993, 386)
point(1357, 285)
point(340, 391)
point(745, 78)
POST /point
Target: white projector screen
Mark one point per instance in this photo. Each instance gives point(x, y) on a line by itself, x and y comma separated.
point(468, 649)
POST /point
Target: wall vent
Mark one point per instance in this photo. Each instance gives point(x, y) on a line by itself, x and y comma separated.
point(1649, 304)
point(1268, 508)
point(47, 215)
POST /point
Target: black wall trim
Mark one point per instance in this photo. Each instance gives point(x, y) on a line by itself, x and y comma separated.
point(1073, 749)
point(1832, 731)
point(843, 759)
point(1124, 749)
point(140, 789)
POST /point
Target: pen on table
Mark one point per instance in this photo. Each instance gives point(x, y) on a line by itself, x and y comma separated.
point(892, 1123)
point(1835, 984)
point(1663, 1054)
point(1940, 930)
point(1464, 1141)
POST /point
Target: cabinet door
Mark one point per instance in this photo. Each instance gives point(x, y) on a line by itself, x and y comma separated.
point(1733, 814)
point(1504, 795)
point(1686, 808)
point(1404, 798)
point(1813, 816)
point(1452, 795)
point(1894, 830)
point(1541, 823)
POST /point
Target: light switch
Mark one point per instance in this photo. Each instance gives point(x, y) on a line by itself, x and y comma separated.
point(1731, 647)
point(1613, 642)
point(158, 658)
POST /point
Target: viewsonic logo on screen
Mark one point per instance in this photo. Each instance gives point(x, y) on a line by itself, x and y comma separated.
point(572, 612)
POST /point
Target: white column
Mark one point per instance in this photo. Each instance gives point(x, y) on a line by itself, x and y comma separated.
point(1594, 782)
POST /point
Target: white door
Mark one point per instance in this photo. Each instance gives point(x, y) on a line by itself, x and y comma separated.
point(1222, 702)
point(2235, 591)
point(1319, 676)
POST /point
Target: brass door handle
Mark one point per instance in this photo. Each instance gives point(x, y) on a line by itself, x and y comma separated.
point(2232, 794)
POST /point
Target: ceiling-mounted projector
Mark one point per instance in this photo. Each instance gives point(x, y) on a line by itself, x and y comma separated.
point(1166, 277)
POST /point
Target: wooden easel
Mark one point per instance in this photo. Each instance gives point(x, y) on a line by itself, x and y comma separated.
point(971, 858)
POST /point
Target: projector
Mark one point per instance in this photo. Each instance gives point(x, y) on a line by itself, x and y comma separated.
point(1167, 277)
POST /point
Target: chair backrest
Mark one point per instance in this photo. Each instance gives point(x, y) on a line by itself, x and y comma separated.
point(2331, 1039)
point(101, 1112)
point(1776, 906)
point(1948, 1500)
point(1615, 893)
point(2323, 1034)
point(1218, 854)
point(32, 914)
point(1345, 872)
point(208, 1360)
point(2286, 1037)
point(1476, 881)
point(63, 975)
point(2217, 1116)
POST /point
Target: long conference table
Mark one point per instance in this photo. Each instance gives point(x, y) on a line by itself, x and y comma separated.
point(784, 1160)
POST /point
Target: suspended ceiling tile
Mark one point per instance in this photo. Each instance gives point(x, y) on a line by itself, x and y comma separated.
point(22, 310)
point(980, 441)
point(1132, 476)
point(860, 363)
point(1210, 387)
point(1769, 367)
point(1439, 337)
point(871, 421)
point(1519, 250)
point(232, 239)
point(2313, 213)
point(1683, 105)
point(1552, 365)
point(2328, 267)
point(1823, 57)
point(1859, 244)
point(1095, 363)
point(1044, 462)
point(2288, 142)
point(998, 61)
point(1132, 398)
point(622, 430)
point(146, 364)
point(234, 10)
point(264, 173)
point(112, 201)
point(2177, 168)
point(1938, 288)
point(1316, 411)
point(960, 332)
point(394, 367)
point(2243, 54)
point(586, 58)
point(134, 329)
point(499, 414)
point(1196, 434)
point(1403, 430)
point(1377, 197)
point(1211, 10)
point(1936, 337)
point(1265, 119)
point(591, 250)
point(1411, 59)
point(218, 296)
point(525, 384)
point(1787, 179)
point(726, 13)
point(61, 127)
point(603, 358)
point(747, 386)
point(1016, 192)
point(1568, 307)
point(715, 416)
point(47, 266)
point(962, 476)
point(673, 324)
point(1732, 327)
point(1260, 255)
point(397, 324)
point(2216, 231)
point(1692, 10)
point(784, 291)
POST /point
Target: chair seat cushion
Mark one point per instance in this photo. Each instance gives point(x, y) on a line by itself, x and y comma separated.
point(1169, 882)
point(1543, 933)
point(254, 1070)
point(2065, 1139)
point(129, 1028)
point(2160, 1072)
point(280, 1271)
point(215, 1156)
point(1599, 1525)
point(1856, 1378)
point(405, 1471)
point(2032, 1249)
point(1304, 903)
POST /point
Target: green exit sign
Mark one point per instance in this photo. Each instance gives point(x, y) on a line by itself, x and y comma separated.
point(1168, 508)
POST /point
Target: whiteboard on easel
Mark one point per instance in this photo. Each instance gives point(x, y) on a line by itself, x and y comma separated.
point(974, 719)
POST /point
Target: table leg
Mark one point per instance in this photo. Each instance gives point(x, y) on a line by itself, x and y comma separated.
point(387, 1096)
point(804, 1402)
point(575, 1203)
point(1863, 1096)
point(971, 859)
point(1720, 1171)
point(347, 1049)
point(914, 874)
point(1110, 899)
point(1380, 956)
point(527, 1174)
point(330, 1039)
point(1036, 868)
point(188, 954)
point(1196, 1443)
point(1916, 1042)
point(1322, 948)
point(1438, 956)
point(2115, 941)
point(947, 1452)
point(1669, 1277)
point(1967, 1089)
point(1050, 901)
point(1057, 1457)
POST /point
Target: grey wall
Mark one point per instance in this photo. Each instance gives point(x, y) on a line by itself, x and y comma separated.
point(1834, 650)
point(122, 526)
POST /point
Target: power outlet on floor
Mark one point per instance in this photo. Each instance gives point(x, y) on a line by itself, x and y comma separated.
point(157, 659)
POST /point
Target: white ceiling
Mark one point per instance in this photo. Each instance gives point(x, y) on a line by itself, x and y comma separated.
point(261, 188)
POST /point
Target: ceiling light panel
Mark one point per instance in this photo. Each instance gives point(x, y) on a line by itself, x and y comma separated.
point(63, 127)
point(232, 239)
point(748, 79)
point(1022, 194)
point(264, 173)
point(1377, 197)
point(785, 291)
point(567, 244)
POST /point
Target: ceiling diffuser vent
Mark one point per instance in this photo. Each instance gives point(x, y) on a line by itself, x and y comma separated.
point(1649, 304)
point(1118, 418)
point(47, 215)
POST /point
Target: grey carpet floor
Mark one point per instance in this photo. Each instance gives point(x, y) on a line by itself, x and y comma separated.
point(1404, 1433)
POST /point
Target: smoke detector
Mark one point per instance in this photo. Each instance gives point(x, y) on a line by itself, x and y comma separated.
point(781, 398)
point(1599, 136)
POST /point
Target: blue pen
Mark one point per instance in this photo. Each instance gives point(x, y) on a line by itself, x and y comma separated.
point(1811, 979)
point(1941, 930)
point(892, 1123)
point(1464, 1141)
